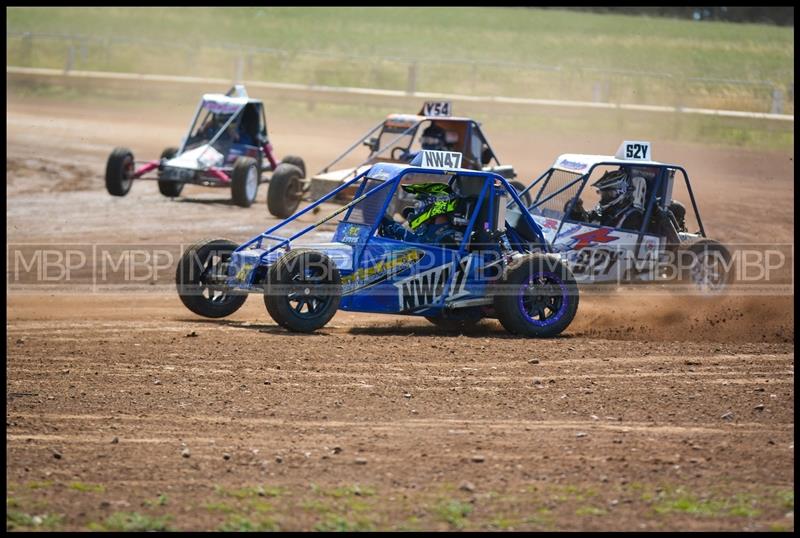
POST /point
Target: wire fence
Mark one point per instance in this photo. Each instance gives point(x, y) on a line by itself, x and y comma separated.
point(466, 77)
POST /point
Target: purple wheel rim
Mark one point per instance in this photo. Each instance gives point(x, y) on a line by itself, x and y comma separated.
point(533, 304)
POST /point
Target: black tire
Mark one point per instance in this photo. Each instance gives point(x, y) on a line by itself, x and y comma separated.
point(297, 161)
point(119, 172)
point(705, 264)
point(171, 189)
point(519, 186)
point(285, 190)
point(192, 275)
point(291, 289)
point(457, 322)
point(531, 287)
point(244, 181)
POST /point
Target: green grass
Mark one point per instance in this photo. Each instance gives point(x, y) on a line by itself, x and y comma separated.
point(240, 523)
point(161, 500)
point(338, 523)
point(250, 491)
point(786, 499)
point(19, 520)
point(541, 517)
point(391, 37)
point(132, 521)
point(39, 485)
point(453, 512)
point(81, 486)
point(590, 511)
point(681, 501)
point(338, 492)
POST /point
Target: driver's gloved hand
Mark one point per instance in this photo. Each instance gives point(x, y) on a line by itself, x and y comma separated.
point(389, 228)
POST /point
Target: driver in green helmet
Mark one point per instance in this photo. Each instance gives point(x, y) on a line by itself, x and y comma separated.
point(429, 222)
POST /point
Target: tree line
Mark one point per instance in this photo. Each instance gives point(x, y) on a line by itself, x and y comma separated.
point(780, 15)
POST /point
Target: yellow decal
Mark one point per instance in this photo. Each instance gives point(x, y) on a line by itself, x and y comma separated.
point(383, 266)
point(243, 272)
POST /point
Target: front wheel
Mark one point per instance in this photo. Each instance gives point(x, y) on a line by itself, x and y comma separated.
point(198, 279)
point(244, 181)
point(303, 290)
point(285, 190)
point(537, 297)
point(119, 172)
point(170, 189)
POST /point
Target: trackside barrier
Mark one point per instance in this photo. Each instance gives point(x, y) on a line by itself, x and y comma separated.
point(37, 71)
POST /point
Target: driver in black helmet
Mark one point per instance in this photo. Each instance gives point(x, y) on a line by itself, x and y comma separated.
point(434, 138)
point(621, 202)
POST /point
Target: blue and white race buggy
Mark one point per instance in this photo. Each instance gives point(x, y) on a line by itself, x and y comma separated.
point(501, 268)
point(665, 243)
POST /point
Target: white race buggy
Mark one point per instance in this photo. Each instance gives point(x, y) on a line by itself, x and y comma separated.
point(226, 146)
point(662, 248)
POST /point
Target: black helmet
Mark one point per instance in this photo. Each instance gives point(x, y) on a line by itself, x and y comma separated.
point(614, 188)
point(433, 138)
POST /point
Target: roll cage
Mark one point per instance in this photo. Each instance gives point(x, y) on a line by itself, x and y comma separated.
point(658, 197)
point(238, 107)
point(394, 128)
point(384, 178)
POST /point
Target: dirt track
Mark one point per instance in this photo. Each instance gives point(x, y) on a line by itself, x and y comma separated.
point(651, 412)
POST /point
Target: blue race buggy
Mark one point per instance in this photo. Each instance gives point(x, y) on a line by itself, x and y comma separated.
point(667, 242)
point(502, 268)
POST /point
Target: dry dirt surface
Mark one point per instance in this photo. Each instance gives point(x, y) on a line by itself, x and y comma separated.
point(125, 411)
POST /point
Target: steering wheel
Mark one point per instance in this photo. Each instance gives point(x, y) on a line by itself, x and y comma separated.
point(402, 156)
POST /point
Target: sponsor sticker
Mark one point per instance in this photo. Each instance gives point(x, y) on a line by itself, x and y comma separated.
point(393, 264)
point(571, 165)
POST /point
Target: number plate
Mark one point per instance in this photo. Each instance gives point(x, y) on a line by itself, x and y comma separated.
point(634, 150)
point(436, 108)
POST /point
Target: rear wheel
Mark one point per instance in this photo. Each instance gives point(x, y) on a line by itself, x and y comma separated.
point(705, 264)
point(285, 190)
point(537, 297)
point(244, 181)
point(119, 172)
point(303, 290)
point(171, 189)
point(519, 187)
point(297, 161)
point(198, 279)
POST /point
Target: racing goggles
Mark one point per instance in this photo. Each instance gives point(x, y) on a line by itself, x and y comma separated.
point(609, 195)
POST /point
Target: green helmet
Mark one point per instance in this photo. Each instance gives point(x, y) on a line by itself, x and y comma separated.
point(435, 199)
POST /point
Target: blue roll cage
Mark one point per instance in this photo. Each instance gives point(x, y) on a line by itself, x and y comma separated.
point(487, 193)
